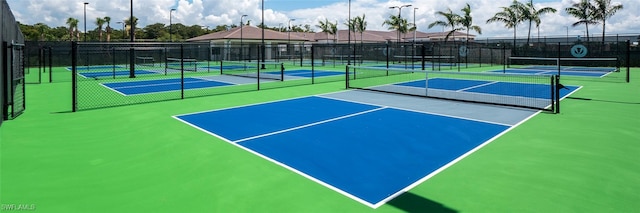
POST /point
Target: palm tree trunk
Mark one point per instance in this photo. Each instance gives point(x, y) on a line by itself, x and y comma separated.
point(514, 37)
point(603, 26)
point(529, 35)
point(587, 26)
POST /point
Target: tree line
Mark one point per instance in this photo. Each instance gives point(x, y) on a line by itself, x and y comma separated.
point(106, 30)
point(588, 12)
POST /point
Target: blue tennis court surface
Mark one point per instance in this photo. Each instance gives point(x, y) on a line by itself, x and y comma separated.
point(163, 85)
point(566, 72)
point(490, 87)
point(367, 152)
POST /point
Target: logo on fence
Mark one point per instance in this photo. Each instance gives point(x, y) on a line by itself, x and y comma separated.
point(579, 51)
point(463, 51)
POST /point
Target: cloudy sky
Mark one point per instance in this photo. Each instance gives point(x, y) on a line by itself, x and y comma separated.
point(218, 12)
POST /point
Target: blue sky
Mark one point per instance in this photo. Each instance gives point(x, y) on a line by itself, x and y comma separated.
point(219, 12)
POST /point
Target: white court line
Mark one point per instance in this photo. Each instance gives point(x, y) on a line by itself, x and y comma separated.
point(309, 125)
point(477, 86)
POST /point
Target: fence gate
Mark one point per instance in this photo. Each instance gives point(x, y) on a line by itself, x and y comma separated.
point(15, 97)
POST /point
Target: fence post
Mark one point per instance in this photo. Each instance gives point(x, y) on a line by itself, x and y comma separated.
point(132, 61)
point(50, 64)
point(74, 72)
point(313, 66)
point(181, 71)
point(628, 60)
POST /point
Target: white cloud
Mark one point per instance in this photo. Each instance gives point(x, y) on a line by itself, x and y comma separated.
point(218, 12)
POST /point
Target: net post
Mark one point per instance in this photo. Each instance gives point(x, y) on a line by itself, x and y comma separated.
point(281, 71)
point(166, 62)
point(347, 77)
point(221, 66)
point(74, 79)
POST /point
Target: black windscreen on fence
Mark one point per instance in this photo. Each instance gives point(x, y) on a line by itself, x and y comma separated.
point(115, 74)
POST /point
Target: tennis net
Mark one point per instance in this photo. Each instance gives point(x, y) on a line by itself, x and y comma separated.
point(515, 90)
point(146, 61)
point(256, 69)
point(184, 64)
point(564, 65)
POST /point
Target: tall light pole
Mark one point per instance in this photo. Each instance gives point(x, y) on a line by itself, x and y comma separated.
point(241, 44)
point(132, 30)
point(263, 47)
point(415, 30)
point(414, 25)
point(349, 36)
point(132, 56)
point(289, 38)
point(171, 25)
point(399, 17)
point(85, 21)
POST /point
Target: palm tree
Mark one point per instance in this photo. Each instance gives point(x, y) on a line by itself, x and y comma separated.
point(533, 15)
point(604, 11)
point(467, 21)
point(100, 22)
point(333, 30)
point(73, 26)
point(108, 29)
point(361, 26)
point(396, 23)
point(351, 24)
point(132, 25)
point(585, 12)
point(511, 16)
point(324, 27)
point(450, 20)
